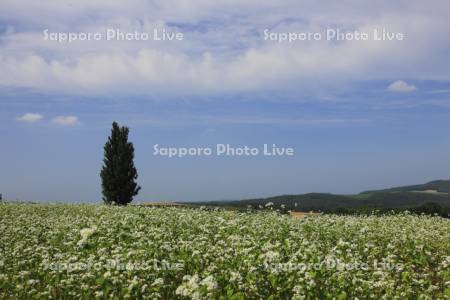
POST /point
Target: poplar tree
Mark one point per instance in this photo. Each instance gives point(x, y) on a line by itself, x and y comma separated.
point(118, 174)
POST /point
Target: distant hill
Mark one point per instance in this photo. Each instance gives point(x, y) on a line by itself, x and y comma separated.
point(441, 186)
point(393, 198)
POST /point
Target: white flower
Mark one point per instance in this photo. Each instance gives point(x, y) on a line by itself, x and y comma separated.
point(158, 281)
point(32, 281)
point(210, 283)
point(189, 287)
point(99, 294)
point(270, 256)
point(235, 276)
point(87, 232)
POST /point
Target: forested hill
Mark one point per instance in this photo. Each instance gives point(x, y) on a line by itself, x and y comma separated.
point(440, 186)
point(436, 192)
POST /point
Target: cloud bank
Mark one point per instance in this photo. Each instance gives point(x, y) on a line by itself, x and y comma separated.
point(223, 49)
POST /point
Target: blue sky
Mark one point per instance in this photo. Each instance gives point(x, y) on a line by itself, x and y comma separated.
point(359, 114)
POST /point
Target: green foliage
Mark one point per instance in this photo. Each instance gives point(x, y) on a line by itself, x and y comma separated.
point(430, 209)
point(118, 173)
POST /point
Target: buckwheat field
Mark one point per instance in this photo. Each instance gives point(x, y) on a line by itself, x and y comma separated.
point(96, 251)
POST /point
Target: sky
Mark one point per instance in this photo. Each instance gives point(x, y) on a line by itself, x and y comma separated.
point(359, 113)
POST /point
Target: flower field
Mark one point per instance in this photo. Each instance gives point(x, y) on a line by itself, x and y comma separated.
point(95, 251)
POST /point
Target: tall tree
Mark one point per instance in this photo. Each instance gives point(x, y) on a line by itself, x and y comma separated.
point(118, 173)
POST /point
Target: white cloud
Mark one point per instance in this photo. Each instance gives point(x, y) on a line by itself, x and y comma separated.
point(401, 87)
point(66, 120)
point(30, 117)
point(223, 48)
